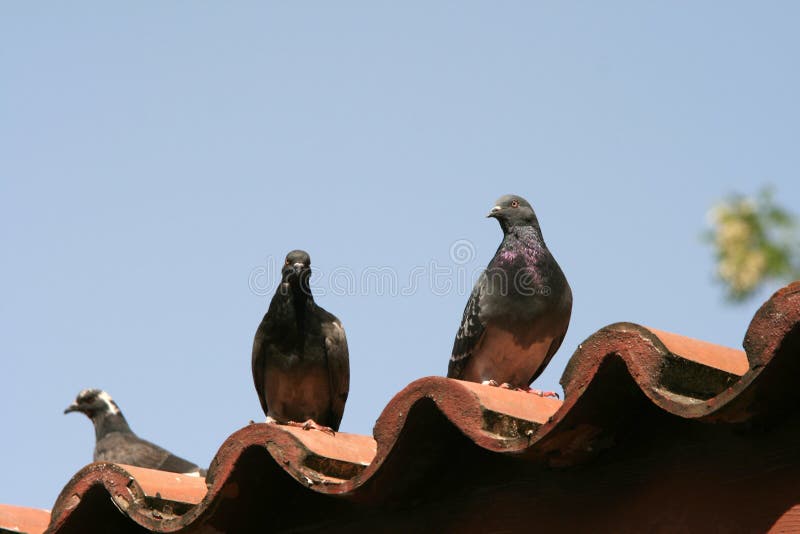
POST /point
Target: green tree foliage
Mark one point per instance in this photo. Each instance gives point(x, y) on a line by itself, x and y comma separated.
point(754, 241)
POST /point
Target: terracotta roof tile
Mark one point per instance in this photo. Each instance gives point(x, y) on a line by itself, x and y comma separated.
point(171, 487)
point(732, 361)
point(623, 372)
point(21, 519)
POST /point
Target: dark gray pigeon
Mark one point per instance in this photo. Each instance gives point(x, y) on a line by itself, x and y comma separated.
point(115, 441)
point(301, 366)
point(519, 310)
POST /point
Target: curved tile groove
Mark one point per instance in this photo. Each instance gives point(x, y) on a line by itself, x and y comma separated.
point(314, 459)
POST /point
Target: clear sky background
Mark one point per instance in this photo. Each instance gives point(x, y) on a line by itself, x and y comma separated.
point(157, 158)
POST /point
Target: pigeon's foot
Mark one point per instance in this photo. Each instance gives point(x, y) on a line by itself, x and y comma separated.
point(311, 424)
point(541, 393)
point(525, 389)
point(271, 420)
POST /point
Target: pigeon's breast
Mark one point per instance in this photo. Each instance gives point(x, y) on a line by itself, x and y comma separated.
point(510, 353)
point(298, 392)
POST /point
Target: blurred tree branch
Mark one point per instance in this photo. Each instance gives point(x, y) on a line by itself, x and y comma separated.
point(754, 241)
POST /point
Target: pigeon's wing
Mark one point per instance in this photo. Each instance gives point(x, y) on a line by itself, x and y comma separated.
point(133, 450)
point(338, 366)
point(470, 332)
point(176, 464)
point(258, 365)
point(121, 448)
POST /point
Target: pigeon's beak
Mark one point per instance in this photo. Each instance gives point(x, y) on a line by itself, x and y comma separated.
point(72, 408)
point(296, 269)
point(293, 269)
point(494, 211)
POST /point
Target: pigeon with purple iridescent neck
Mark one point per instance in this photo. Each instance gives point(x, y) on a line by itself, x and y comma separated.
point(519, 310)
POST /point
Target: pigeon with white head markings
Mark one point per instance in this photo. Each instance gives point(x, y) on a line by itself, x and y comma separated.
point(115, 442)
point(300, 361)
point(519, 310)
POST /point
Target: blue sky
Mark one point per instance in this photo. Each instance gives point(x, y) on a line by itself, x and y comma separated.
point(157, 158)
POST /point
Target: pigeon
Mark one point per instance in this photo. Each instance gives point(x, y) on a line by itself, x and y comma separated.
point(115, 441)
point(519, 310)
point(301, 365)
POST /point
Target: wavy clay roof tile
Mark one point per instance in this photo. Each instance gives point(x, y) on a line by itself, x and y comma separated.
point(657, 432)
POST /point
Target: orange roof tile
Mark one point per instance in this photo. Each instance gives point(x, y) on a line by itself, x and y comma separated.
point(21, 519)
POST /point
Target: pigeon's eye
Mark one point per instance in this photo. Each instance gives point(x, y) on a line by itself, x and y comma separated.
point(287, 262)
point(515, 203)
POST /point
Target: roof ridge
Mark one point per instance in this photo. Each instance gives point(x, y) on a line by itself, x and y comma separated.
point(620, 369)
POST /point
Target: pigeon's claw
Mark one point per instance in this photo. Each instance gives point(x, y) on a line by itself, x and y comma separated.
point(541, 393)
point(506, 385)
point(490, 383)
point(311, 424)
